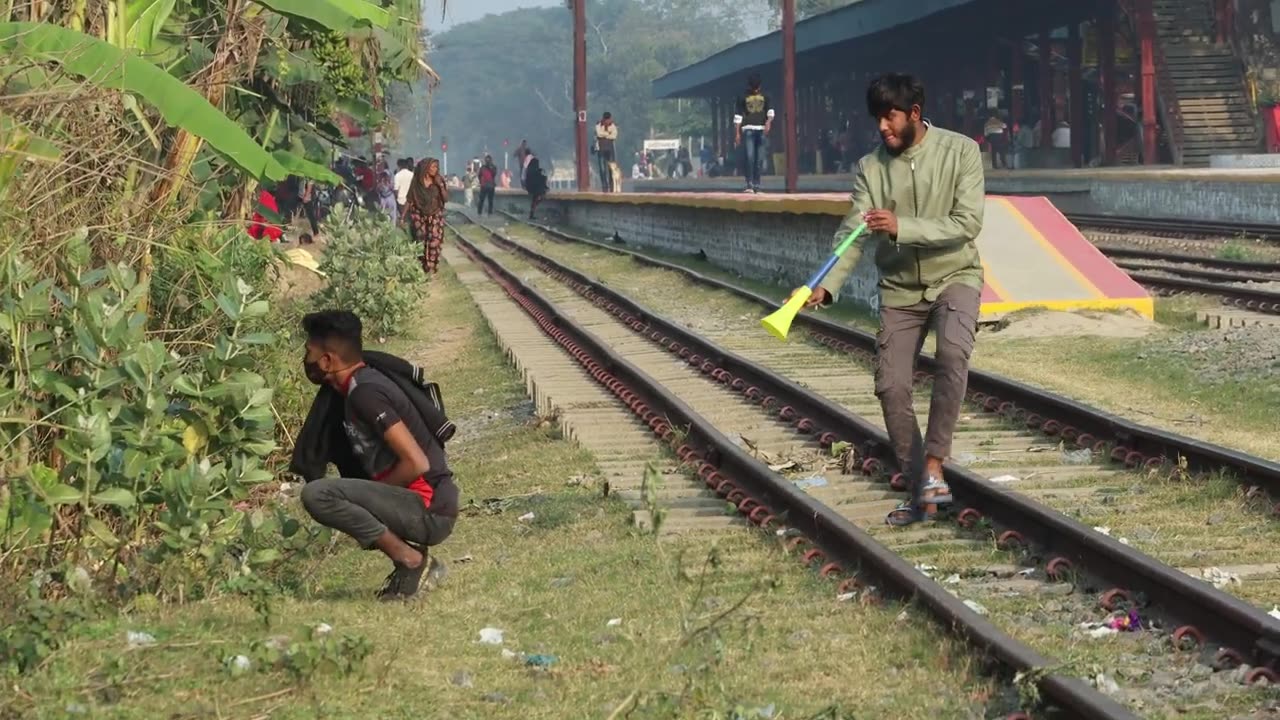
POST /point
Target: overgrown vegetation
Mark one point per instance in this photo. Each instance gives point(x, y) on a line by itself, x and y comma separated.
point(375, 271)
point(149, 378)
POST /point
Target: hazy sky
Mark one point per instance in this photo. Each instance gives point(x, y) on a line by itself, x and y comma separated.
point(460, 11)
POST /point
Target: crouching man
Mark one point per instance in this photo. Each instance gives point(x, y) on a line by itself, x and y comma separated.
point(409, 501)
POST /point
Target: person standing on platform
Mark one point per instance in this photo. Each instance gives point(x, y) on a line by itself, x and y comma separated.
point(606, 141)
point(471, 183)
point(534, 180)
point(997, 140)
point(922, 194)
point(519, 154)
point(752, 122)
point(488, 184)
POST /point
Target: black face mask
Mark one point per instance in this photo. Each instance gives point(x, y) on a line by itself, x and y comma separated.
point(313, 372)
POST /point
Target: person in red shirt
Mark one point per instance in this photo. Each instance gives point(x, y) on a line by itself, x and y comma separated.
point(488, 184)
point(259, 226)
point(411, 501)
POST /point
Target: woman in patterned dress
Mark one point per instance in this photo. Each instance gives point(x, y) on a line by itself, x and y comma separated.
point(425, 212)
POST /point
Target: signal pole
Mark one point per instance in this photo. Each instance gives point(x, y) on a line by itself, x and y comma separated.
point(789, 91)
point(580, 89)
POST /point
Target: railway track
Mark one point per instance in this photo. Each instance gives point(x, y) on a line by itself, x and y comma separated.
point(1079, 425)
point(1243, 284)
point(1173, 228)
point(654, 363)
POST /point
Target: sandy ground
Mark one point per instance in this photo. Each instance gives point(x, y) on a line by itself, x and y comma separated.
point(1043, 324)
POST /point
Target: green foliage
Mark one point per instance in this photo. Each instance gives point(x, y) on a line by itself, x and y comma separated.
point(806, 9)
point(342, 73)
point(125, 446)
point(313, 652)
point(374, 270)
point(333, 14)
point(38, 628)
point(1232, 250)
point(107, 66)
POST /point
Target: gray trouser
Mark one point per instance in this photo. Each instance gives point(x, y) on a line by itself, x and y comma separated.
point(954, 318)
point(365, 509)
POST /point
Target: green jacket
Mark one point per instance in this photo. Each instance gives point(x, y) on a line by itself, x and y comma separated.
point(937, 189)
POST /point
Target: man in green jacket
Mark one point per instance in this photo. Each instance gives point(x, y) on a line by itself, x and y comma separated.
point(921, 194)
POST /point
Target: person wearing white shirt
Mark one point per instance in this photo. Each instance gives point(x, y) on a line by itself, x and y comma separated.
point(402, 182)
point(1062, 135)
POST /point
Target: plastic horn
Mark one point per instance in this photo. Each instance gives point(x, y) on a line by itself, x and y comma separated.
point(779, 323)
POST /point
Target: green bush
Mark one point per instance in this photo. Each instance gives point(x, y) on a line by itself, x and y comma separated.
point(130, 456)
point(374, 271)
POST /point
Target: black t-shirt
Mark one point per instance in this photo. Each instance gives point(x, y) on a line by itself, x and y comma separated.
point(754, 110)
point(374, 404)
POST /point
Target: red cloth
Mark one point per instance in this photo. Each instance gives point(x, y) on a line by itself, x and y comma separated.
point(259, 226)
point(365, 176)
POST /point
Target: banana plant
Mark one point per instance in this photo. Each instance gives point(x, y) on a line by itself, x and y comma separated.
point(104, 65)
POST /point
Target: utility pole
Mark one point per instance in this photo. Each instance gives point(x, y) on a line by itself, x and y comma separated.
point(789, 91)
point(580, 89)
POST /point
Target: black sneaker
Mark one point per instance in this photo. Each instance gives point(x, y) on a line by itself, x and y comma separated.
point(402, 583)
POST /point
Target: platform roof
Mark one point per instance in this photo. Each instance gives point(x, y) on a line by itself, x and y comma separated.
point(851, 29)
point(862, 18)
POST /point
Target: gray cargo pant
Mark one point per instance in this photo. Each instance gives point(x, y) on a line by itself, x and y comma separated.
point(365, 509)
point(954, 319)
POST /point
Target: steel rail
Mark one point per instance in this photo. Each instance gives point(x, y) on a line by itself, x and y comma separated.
point(1194, 273)
point(1206, 613)
point(1209, 262)
point(1125, 441)
point(1177, 227)
point(1261, 301)
point(767, 499)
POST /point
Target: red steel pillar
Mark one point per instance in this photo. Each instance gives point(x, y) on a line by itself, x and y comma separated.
point(580, 90)
point(1046, 90)
point(1076, 94)
point(1107, 76)
point(1146, 41)
point(789, 91)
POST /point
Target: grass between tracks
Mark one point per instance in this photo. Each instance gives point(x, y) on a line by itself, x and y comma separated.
point(1166, 379)
point(700, 633)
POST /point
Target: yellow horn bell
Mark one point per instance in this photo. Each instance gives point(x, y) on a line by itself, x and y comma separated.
point(779, 323)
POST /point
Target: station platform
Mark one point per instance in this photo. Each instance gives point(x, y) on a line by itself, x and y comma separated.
point(1032, 255)
point(1247, 195)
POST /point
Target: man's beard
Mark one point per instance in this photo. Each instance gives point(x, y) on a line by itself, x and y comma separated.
point(907, 137)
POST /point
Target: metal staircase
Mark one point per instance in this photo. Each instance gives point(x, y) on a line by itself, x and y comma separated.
point(1204, 102)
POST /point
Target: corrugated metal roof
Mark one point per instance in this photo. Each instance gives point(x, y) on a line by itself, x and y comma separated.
point(861, 19)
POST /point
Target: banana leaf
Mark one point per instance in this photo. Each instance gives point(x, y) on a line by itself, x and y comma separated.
point(342, 15)
point(305, 168)
point(107, 66)
point(16, 138)
point(362, 111)
point(143, 21)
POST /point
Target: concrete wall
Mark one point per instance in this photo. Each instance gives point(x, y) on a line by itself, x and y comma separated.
point(1191, 200)
point(1157, 193)
point(774, 247)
